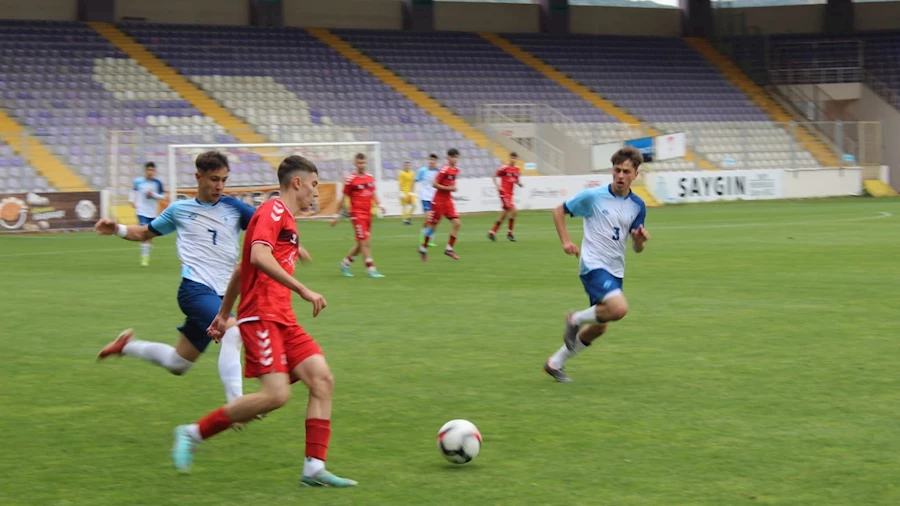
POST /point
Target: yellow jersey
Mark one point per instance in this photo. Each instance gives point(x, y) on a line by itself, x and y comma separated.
point(407, 180)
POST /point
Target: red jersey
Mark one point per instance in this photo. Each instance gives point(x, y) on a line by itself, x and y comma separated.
point(446, 177)
point(262, 297)
point(509, 178)
point(361, 190)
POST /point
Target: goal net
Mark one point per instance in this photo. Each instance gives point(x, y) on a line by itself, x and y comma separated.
point(253, 177)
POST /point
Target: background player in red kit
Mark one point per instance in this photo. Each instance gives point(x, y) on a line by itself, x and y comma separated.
point(442, 206)
point(277, 349)
point(506, 179)
point(360, 189)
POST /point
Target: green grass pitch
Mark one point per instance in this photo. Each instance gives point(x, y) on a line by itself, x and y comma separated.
point(758, 365)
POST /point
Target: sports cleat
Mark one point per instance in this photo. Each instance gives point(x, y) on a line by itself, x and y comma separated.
point(183, 449)
point(407, 222)
point(346, 271)
point(145, 262)
point(376, 274)
point(557, 374)
point(326, 479)
point(118, 346)
point(571, 332)
point(432, 244)
point(492, 236)
point(511, 237)
point(451, 254)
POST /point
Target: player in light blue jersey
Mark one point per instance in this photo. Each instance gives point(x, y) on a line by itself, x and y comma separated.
point(425, 182)
point(145, 195)
point(208, 230)
point(611, 213)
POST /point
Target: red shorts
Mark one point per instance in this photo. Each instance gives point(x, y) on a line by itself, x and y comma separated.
point(442, 210)
point(271, 347)
point(362, 226)
point(507, 202)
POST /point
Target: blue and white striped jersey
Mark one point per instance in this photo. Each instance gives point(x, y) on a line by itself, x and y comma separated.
point(147, 205)
point(208, 237)
point(608, 221)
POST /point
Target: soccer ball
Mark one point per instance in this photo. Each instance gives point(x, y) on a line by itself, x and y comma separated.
point(459, 441)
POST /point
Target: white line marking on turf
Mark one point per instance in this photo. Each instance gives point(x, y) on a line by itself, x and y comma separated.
point(704, 226)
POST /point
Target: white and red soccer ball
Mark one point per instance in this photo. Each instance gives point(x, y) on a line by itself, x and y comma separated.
point(459, 441)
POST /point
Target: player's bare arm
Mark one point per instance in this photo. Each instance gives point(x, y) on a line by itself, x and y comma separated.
point(559, 220)
point(638, 237)
point(220, 323)
point(262, 258)
point(138, 233)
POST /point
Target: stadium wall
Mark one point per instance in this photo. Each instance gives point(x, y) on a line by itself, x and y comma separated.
point(487, 17)
point(874, 108)
point(52, 10)
point(807, 18)
point(373, 14)
point(200, 12)
point(621, 21)
point(477, 195)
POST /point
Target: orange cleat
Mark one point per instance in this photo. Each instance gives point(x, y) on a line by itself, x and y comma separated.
point(116, 347)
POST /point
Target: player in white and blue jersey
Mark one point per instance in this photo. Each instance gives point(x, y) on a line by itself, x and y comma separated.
point(425, 181)
point(145, 195)
point(208, 230)
point(611, 213)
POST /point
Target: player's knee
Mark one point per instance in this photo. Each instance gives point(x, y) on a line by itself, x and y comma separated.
point(616, 309)
point(178, 366)
point(277, 398)
point(322, 384)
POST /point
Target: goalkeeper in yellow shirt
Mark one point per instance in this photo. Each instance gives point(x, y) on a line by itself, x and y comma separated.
point(407, 180)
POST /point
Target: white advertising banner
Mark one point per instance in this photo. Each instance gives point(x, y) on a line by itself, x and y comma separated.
point(478, 195)
point(670, 146)
point(709, 186)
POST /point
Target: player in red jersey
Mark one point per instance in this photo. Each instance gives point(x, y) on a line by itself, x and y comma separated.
point(277, 350)
point(360, 189)
point(442, 206)
point(506, 179)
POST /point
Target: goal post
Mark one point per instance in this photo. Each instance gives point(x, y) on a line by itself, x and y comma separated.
point(253, 176)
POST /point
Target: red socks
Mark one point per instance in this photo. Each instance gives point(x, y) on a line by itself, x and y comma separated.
point(214, 423)
point(318, 432)
point(511, 223)
point(452, 240)
point(496, 227)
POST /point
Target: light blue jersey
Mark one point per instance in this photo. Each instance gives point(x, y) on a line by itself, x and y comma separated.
point(608, 221)
point(208, 237)
point(147, 205)
point(425, 179)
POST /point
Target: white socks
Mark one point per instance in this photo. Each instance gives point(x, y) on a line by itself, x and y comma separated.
point(145, 250)
point(588, 315)
point(193, 430)
point(160, 354)
point(230, 364)
point(312, 467)
point(558, 360)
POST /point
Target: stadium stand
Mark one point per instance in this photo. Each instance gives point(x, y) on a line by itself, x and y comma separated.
point(70, 88)
point(252, 71)
point(720, 121)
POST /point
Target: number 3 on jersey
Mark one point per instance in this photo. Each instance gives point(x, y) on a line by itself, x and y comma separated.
point(615, 236)
point(214, 233)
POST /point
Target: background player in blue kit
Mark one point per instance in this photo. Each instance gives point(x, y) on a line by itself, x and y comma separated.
point(425, 181)
point(611, 213)
point(208, 230)
point(145, 195)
